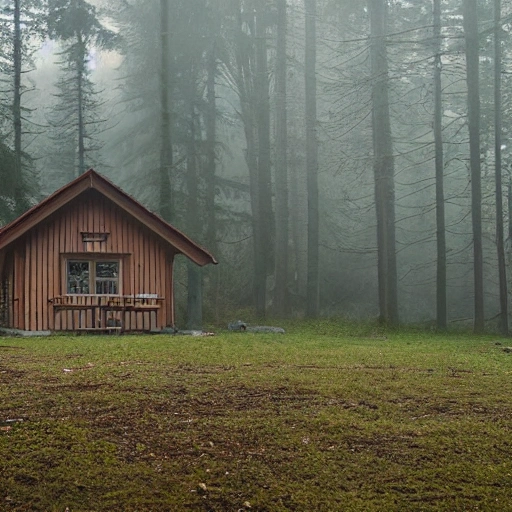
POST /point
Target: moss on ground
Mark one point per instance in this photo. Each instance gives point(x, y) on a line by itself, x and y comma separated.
point(327, 417)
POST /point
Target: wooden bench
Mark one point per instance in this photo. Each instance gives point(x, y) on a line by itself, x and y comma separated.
point(102, 310)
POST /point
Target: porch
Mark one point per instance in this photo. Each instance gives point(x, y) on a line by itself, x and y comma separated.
point(103, 313)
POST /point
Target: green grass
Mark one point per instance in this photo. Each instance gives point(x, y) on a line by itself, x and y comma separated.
point(329, 417)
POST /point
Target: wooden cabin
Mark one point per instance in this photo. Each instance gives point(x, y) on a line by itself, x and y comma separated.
point(90, 258)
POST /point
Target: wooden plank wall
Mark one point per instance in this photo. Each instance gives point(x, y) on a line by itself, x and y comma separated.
point(18, 292)
point(38, 264)
point(7, 288)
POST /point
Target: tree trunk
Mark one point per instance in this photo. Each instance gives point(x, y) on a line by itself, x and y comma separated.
point(298, 236)
point(20, 203)
point(166, 206)
point(500, 245)
point(266, 218)
point(80, 99)
point(245, 87)
point(472, 78)
point(312, 300)
point(383, 166)
point(439, 163)
point(211, 140)
point(281, 299)
point(194, 284)
point(509, 203)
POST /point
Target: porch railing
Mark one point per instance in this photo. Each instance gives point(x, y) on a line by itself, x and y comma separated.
point(106, 312)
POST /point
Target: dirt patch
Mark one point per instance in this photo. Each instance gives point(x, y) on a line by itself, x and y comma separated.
point(77, 387)
point(201, 370)
point(8, 374)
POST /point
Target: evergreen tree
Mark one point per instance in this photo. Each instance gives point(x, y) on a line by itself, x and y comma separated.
point(76, 117)
point(498, 128)
point(281, 298)
point(441, 316)
point(473, 84)
point(383, 165)
point(312, 302)
point(19, 29)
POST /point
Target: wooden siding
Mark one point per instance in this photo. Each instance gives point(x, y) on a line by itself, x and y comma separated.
point(91, 180)
point(39, 265)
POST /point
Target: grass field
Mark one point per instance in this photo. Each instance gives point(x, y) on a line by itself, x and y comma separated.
point(328, 417)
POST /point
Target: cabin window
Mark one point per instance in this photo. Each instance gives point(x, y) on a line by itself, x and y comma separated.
point(93, 277)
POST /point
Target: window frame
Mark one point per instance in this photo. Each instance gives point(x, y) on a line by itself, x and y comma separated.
point(92, 261)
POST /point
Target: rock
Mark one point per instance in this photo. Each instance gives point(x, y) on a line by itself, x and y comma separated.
point(240, 326)
point(237, 326)
point(169, 330)
point(265, 328)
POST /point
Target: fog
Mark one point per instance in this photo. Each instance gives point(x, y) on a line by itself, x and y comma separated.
point(339, 158)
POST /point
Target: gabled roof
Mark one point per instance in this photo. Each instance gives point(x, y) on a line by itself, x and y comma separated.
point(92, 180)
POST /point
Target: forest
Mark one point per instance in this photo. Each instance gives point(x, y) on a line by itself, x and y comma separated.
point(338, 157)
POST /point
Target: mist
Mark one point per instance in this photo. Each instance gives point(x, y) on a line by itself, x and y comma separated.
point(339, 158)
